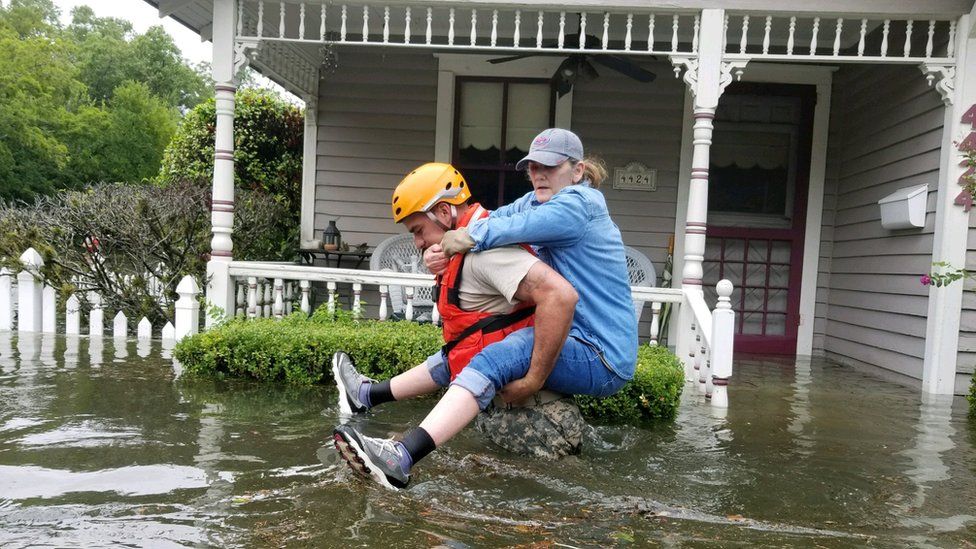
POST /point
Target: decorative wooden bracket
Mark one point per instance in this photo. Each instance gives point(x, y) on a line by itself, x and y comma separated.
point(946, 75)
point(690, 66)
point(730, 68)
point(245, 49)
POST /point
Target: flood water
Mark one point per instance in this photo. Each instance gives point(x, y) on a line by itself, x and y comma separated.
point(102, 445)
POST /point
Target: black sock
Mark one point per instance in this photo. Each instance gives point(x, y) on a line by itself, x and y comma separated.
point(380, 393)
point(418, 444)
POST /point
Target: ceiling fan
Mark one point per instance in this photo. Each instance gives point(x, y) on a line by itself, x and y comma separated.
point(579, 65)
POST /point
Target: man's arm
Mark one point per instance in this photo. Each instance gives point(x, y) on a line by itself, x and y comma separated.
point(555, 300)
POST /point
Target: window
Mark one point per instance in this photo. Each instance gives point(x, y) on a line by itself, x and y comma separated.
point(494, 123)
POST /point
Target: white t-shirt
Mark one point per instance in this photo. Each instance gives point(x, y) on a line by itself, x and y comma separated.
point(489, 279)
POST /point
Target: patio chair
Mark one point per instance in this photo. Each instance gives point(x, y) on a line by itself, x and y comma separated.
point(642, 273)
point(398, 254)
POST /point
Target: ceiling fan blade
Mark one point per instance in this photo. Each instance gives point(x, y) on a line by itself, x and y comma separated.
point(625, 67)
point(586, 70)
point(565, 75)
point(507, 59)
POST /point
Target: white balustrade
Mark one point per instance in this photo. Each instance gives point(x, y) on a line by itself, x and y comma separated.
point(279, 300)
point(306, 286)
point(797, 38)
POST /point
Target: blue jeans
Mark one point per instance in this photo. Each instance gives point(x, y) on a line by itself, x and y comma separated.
point(579, 370)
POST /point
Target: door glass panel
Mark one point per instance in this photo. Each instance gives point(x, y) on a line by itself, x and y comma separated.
point(752, 323)
point(758, 251)
point(777, 301)
point(779, 276)
point(755, 299)
point(775, 324)
point(756, 276)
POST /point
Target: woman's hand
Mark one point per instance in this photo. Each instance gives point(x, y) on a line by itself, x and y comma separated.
point(456, 242)
point(435, 260)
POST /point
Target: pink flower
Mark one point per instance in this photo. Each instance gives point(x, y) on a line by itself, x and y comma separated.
point(926, 280)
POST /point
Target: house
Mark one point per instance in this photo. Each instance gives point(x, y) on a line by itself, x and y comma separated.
point(765, 142)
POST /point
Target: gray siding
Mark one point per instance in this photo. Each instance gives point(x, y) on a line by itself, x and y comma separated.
point(624, 121)
point(967, 323)
point(376, 123)
point(875, 308)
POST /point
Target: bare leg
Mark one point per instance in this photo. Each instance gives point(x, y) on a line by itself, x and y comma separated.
point(414, 382)
point(452, 413)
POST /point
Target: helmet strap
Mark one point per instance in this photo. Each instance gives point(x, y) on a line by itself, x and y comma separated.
point(454, 217)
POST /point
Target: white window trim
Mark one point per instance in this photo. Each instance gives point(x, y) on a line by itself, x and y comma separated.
point(450, 66)
point(821, 77)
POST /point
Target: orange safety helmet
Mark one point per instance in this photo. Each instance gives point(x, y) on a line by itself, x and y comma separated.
point(427, 185)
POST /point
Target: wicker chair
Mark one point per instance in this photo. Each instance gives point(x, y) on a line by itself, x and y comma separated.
point(398, 254)
point(642, 273)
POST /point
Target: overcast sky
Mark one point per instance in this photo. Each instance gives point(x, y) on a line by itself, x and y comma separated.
point(142, 16)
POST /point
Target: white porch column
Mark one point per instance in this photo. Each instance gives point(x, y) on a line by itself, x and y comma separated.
point(703, 77)
point(309, 165)
point(951, 223)
point(220, 289)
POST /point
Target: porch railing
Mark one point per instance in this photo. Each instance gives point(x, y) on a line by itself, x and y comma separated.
point(708, 360)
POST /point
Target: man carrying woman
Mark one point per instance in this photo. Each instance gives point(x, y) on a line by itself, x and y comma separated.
point(567, 222)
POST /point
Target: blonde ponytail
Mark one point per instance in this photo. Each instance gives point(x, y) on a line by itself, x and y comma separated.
point(594, 170)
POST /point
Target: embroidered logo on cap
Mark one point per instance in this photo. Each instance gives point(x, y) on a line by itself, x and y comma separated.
point(541, 141)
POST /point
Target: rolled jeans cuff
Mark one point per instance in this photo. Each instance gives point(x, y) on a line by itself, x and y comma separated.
point(477, 384)
point(438, 369)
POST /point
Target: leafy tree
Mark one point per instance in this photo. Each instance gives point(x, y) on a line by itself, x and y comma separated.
point(90, 102)
point(38, 91)
point(267, 146)
point(122, 140)
point(109, 54)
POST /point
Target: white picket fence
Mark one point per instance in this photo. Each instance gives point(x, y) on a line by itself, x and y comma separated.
point(28, 304)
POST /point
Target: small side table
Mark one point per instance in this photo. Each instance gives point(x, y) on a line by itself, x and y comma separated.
point(308, 256)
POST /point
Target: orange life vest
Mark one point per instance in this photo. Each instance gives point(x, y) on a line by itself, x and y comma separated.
point(466, 333)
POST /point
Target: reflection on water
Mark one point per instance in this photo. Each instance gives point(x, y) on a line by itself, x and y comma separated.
point(101, 444)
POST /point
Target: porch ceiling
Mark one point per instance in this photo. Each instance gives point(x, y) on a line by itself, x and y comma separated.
point(291, 57)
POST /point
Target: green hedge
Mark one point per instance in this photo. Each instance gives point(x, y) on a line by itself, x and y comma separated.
point(297, 350)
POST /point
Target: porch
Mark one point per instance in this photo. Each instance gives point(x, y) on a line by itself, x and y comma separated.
point(387, 86)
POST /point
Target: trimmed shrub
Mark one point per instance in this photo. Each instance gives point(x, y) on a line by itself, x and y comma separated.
point(298, 349)
point(652, 394)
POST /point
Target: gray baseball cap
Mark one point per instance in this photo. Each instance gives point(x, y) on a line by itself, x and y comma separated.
point(552, 147)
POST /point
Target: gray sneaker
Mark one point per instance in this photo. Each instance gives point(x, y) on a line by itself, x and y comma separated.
point(371, 458)
point(348, 381)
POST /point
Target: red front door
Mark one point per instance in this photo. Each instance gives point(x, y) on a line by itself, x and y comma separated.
point(758, 182)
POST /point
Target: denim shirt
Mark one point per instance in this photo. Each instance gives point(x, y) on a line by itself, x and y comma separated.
point(573, 234)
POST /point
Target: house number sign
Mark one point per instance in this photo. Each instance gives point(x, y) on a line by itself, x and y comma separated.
point(635, 177)
point(968, 149)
